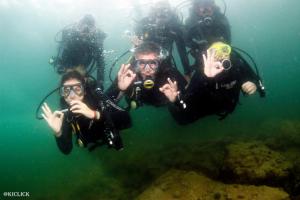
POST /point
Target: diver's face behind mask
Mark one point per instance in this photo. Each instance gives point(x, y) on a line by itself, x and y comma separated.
point(205, 13)
point(147, 64)
point(72, 89)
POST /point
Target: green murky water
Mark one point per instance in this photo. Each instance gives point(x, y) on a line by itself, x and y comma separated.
point(30, 161)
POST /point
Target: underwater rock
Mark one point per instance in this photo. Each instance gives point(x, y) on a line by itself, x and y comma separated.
point(292, 186)
point(206, 157)
point(189, 185)
point(284, 135)
point(254, 162)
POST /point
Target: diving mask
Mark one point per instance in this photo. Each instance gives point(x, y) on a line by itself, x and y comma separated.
point(143, 64)
point(77, 89)
point(206, 11)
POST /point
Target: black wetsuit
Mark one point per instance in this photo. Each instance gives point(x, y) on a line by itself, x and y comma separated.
point(78, 48)
point(165, 35)
point(218, 95)
point(150, 96)
point(91, 132)
point(199, 35)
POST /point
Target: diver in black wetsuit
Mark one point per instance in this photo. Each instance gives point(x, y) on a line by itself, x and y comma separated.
point(81, 46)
point(163, 27)
point(84, 116)
point(215, 87)
point(142, 79)
point(205, 25)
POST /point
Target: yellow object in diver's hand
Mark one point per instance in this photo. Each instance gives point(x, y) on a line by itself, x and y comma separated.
point(222, 50)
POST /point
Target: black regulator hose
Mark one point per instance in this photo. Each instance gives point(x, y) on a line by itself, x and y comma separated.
point(225, 7)
point(41, 103)
point(250, 57)
point(115, 62)
point(261, 88)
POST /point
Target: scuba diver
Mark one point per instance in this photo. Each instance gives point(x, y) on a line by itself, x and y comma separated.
point(84, 116)
point(140, 80)
point(215, 86)
point(81, 47)
point(205, 25)
point(163, 27)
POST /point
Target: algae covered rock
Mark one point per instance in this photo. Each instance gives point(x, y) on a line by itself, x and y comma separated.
point(254, 162)
point(282, 135)
point(189, 185)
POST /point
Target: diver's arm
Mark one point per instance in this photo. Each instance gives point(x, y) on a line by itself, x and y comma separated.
point(246, 71)
point(53, 119)
point(181, 108)
point(174, 84)
point(122, 84)
point(121, 119)
point(188, 108)
point(114, 92)
point(64, 141)
point(181, 82)
point(248, 79)
point(184, 109)
point(180, 115)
